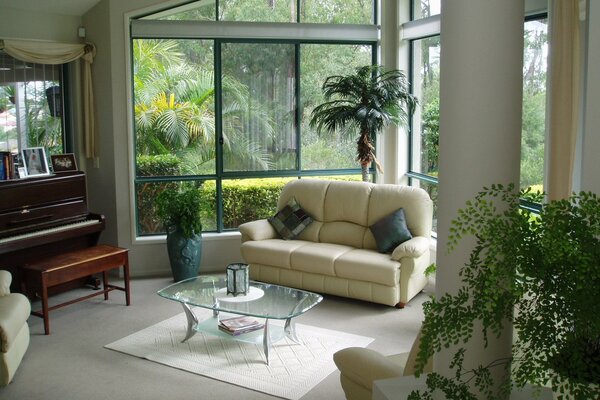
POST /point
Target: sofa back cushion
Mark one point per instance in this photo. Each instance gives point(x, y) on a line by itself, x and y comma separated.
point(343, 211)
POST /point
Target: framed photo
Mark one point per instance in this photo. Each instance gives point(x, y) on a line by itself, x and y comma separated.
point(63, 162)
point(34, 160)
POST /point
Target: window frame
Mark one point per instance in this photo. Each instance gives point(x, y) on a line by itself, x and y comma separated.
point(424, 28)
point(228, 32)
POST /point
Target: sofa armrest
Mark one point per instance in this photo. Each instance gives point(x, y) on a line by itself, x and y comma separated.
point(257, 230)
point(414, 248)
point(5, 281)
point(363, 366)
point(14, 312)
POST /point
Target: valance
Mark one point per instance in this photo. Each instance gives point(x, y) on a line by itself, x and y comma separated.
point(41, 52)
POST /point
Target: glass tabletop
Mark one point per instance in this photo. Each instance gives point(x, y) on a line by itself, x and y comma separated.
point(264, 300)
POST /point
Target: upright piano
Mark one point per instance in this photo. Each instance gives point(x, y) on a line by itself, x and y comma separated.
point(44, 216)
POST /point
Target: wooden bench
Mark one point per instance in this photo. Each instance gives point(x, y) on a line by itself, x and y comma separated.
point(66, 267)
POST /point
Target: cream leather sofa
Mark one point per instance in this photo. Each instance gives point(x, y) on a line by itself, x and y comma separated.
point(360, 368)
point(14, 331)
point(337, 253)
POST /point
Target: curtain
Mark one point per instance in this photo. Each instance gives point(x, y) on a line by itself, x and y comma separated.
point(563, 95)
point(40, 52)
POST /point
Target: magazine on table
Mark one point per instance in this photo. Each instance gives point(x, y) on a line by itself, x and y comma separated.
point(239, 325)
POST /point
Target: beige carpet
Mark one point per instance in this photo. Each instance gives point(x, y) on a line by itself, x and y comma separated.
point(293, 369)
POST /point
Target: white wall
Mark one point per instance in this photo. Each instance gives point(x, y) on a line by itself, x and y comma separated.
point(19, 24)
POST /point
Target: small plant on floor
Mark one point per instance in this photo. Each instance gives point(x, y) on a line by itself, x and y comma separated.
point(179, 209)
point(540, 273)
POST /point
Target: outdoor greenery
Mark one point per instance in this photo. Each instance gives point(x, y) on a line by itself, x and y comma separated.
point(243, 199)
point(534, 102)
point(263, 127)
point(367, 100)
point(538, 273)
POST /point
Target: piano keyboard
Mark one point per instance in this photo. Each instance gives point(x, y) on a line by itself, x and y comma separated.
point(55, 229)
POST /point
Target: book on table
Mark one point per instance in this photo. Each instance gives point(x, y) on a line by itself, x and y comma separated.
point(240, 325)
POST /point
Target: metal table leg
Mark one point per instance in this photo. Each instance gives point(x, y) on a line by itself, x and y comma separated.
point(290, 330)
point(266, 340)
point(192, 321)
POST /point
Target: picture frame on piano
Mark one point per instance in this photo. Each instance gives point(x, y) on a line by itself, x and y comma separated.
point(63, 162)
point(35, 162)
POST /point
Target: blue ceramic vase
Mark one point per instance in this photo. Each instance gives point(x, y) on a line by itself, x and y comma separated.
point(184, 254)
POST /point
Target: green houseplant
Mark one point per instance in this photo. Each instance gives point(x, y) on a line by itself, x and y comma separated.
point(367, 100)
point(539, 272)
point(179, 209)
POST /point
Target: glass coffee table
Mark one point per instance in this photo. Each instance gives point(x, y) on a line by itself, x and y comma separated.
point(265, 301)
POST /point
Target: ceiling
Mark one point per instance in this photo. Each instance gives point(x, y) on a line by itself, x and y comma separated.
point(65, 7)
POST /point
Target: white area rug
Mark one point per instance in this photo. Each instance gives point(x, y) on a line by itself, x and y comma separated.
point(293, 369)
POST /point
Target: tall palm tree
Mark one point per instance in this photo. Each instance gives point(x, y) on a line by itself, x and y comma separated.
point(369, 100)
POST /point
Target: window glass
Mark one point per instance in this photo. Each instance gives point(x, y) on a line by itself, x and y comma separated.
point(426, 86)
point(227, 113)
point(318, 61)
point(337, 11)
point(174, 106)
point(432, 190)
point(534, 104)
point(257, 10)
point(31, 106)
point(259, 131)
point(425, 8)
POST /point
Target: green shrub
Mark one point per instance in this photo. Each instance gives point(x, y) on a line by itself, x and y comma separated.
point(159, 165)
point(243, 200)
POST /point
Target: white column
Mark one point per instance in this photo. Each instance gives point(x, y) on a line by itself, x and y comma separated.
point(590, 168)
point(392, 149)
point(387, 140)
point(480, 128)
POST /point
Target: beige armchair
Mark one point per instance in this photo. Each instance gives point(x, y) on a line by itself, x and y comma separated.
point(360, 367)
point(14, 331)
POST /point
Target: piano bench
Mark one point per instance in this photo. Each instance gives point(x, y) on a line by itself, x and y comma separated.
point(73, 265)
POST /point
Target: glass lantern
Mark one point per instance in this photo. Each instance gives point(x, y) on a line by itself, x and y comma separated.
point(237, 279)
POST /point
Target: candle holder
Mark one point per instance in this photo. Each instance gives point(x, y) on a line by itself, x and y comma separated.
point(237, 279)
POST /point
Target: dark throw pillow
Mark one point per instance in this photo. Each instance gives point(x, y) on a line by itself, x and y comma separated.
point(291, 220)
point(390, 231)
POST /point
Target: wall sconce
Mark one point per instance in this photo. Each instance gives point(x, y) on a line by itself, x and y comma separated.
point(237, 279)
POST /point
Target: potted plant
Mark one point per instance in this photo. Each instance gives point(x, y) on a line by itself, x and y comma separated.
point(367, 100)
point(538, 272)
point(179, 210)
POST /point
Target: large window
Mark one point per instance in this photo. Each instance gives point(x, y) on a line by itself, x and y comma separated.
point(32, 112)
point(425, 73)
point(228, 106)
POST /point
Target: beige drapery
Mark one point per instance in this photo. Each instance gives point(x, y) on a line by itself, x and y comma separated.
point(564, 85)
point(41, 52)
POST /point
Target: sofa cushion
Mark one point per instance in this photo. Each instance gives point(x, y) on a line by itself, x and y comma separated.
point(275, 252)
point(345, 233)
point(308, 192)
point(348, 202)
point(390, 231)
point(290, 220)
point(415, 202)
point(368, 266)
point(317, 258)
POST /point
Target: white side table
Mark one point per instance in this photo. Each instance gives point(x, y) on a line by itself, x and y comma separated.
point(400, 388)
